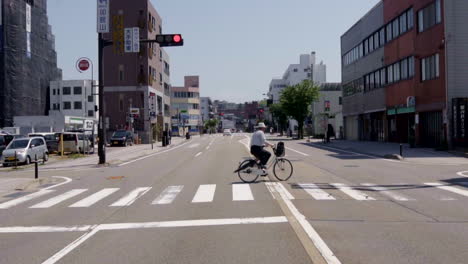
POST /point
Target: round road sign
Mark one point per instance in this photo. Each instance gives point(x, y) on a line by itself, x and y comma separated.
point(83, 65)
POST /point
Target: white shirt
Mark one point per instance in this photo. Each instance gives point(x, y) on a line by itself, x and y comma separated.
point(258, 139)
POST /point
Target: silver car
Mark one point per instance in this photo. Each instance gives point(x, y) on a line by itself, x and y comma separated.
point(25, 150)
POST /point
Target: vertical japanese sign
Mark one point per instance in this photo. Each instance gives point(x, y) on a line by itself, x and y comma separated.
point(128, 40)
point(136, 39)
point(28, 30)
point(102, 16)
point(118, 34)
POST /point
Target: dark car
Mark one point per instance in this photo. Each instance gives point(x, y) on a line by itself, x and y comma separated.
point(121, 138)
point(51, 139)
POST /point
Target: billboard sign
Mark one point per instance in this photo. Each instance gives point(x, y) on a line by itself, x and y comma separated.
point(128, 40)
point(103, 16)
point(136, 39)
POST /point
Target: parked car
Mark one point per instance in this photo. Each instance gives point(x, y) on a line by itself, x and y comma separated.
point(227, 132)
point(121, 138)
point(51, 139)
point(74, 142)
point(5, 139)
point(25, 150)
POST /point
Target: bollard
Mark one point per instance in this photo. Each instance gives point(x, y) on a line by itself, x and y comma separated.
point(16, 161)
point(401, 150)
point(36, 168)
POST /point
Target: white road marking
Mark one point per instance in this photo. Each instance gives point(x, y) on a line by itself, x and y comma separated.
point(23, 199)
point(314, 191)
point(59, 198)
point(302, 153)
point(462, 173)
point(43, 229)
point(322, 247)
point(131, 197)
point(241, 192)
point(271, 189)
point(360, 196)
point(208, 147)
point(94, 198)
point(279, 188)
point(194, 145)
point(448, 188)
point(168, 195)
point(360, 154)
point(387, 192)
point(205, 193)
point(151, 155)
point(198, 154)
point(67, 180)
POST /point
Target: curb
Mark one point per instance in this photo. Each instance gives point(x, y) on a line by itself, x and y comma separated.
point(34, 184)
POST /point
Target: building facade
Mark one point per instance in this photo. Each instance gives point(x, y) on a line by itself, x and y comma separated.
point(403, 71)
point(185, 107)
point(28, 61)
point(134, 83)
point(74, 98)
point(206, 109)
point(328, 110)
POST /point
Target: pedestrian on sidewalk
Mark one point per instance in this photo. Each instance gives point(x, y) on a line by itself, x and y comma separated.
point(330, 132)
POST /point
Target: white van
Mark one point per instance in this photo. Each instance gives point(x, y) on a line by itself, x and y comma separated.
point(75, 143)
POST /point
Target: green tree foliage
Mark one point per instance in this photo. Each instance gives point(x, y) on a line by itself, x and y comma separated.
point(296, 101)
point(211, 125)
point(280, 116)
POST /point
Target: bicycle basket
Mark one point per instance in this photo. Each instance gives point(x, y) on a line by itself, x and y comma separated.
point(280, 149)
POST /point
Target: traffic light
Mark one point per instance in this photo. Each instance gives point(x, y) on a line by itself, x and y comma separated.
point(169, 40)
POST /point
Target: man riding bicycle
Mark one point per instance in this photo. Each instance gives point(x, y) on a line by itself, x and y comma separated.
point(258, 143)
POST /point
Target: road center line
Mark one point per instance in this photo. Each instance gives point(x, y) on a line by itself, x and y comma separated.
point(151, 155)
point(198, 154)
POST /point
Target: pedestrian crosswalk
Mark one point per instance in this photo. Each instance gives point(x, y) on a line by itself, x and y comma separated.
point(208, 193)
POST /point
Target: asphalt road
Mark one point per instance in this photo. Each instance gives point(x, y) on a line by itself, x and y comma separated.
point(186, 206)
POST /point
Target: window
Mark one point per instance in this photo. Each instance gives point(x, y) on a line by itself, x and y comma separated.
point(389, 32)
point(404, 69)
point(429, 16)
point(410, 66)
point(377, 79)
point(53, 91)
point(361, 47)
point(376, 40)
point(366, 47)
point(410, 18)
point(396, 28)
point(382, 77)
point(90, 98)
point(340, 100)
point(121, 106)
point(66, 90)
point(382, 36)
point(371, 43)
point(66, 105)
point(403, 23)
point(77, 90)
point(160, 77)
point(77, 105)
point(396, 72)
point(390, 74)
point(195, 106)
point(58, 91)
point(295, 70)
point(90, 113)
point(121, 72)
point(430, 67)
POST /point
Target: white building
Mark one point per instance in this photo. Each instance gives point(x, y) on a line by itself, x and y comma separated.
point(165, 108)
point(206, 108)
point(74, 98)
point(328, 110)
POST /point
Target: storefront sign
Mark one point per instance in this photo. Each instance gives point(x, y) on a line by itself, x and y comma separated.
point(103, 16)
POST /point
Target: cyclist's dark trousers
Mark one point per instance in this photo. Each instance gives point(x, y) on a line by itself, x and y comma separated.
point(260, 154)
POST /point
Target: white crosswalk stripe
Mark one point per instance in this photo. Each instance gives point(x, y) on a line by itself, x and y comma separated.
point(205, 193)
point(357, 195)
point(315, 191)
point(24, 199)
point(385, 191)
point(241, 192)
point(94, 198)
point(168, 195)
point(59, 198)
point(278, 187)
point(448, 188)
point(131, 197)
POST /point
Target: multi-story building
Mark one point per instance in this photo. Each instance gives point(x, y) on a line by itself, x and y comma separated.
point(328, 110)
point(404, 70)
point(185, 107)
point(28, 61)
point(206, 109)
point(74, 98)
point(166, 78)
point(307, 69)
point(135, 96)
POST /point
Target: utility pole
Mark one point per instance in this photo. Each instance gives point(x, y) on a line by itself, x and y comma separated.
point(101, 132)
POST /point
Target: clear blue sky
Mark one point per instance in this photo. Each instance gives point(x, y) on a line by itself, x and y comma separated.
point(236, 47)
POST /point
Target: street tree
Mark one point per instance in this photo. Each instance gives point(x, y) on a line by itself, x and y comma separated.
point(296, 101)
point(280, 116)
point(211, 125)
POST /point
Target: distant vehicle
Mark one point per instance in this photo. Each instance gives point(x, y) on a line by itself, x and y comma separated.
point(74, 142)
point(5, 139)
point(51, 139)
point(25, 150)
point(227, 132)
point(122, 138)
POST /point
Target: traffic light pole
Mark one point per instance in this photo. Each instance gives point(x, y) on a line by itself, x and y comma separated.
point(101, 131)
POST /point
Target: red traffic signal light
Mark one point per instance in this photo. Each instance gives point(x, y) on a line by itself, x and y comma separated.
point(168, 40)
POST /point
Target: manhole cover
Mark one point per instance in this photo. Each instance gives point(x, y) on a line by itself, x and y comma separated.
point(115, 177)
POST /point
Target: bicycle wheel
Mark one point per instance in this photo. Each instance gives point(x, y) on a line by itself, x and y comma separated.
point(246, 172)
point(283, 169)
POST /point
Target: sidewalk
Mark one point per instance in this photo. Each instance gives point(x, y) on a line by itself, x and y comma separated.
point(383, 149)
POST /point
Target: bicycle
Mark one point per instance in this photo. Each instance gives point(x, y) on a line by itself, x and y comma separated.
point(249, 170)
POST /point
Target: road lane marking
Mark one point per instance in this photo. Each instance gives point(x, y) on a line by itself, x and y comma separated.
point(448, 188)
point(194, 145)
point(207, 148)
point(302, 153)
point(357, 195)
point(151, 155)
point(44, 229)
point(314, 245)
point(198, 154)
point(94, 198)
point(67, 180)
point(205, 193)
point(59, 198)
point(241, 192)
point(278, 187)
point(314, 191)
point(131, 197)
point(168, 195)
point(385, 191)
point(271, 189)
point(462, 173)
point(24, 199)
